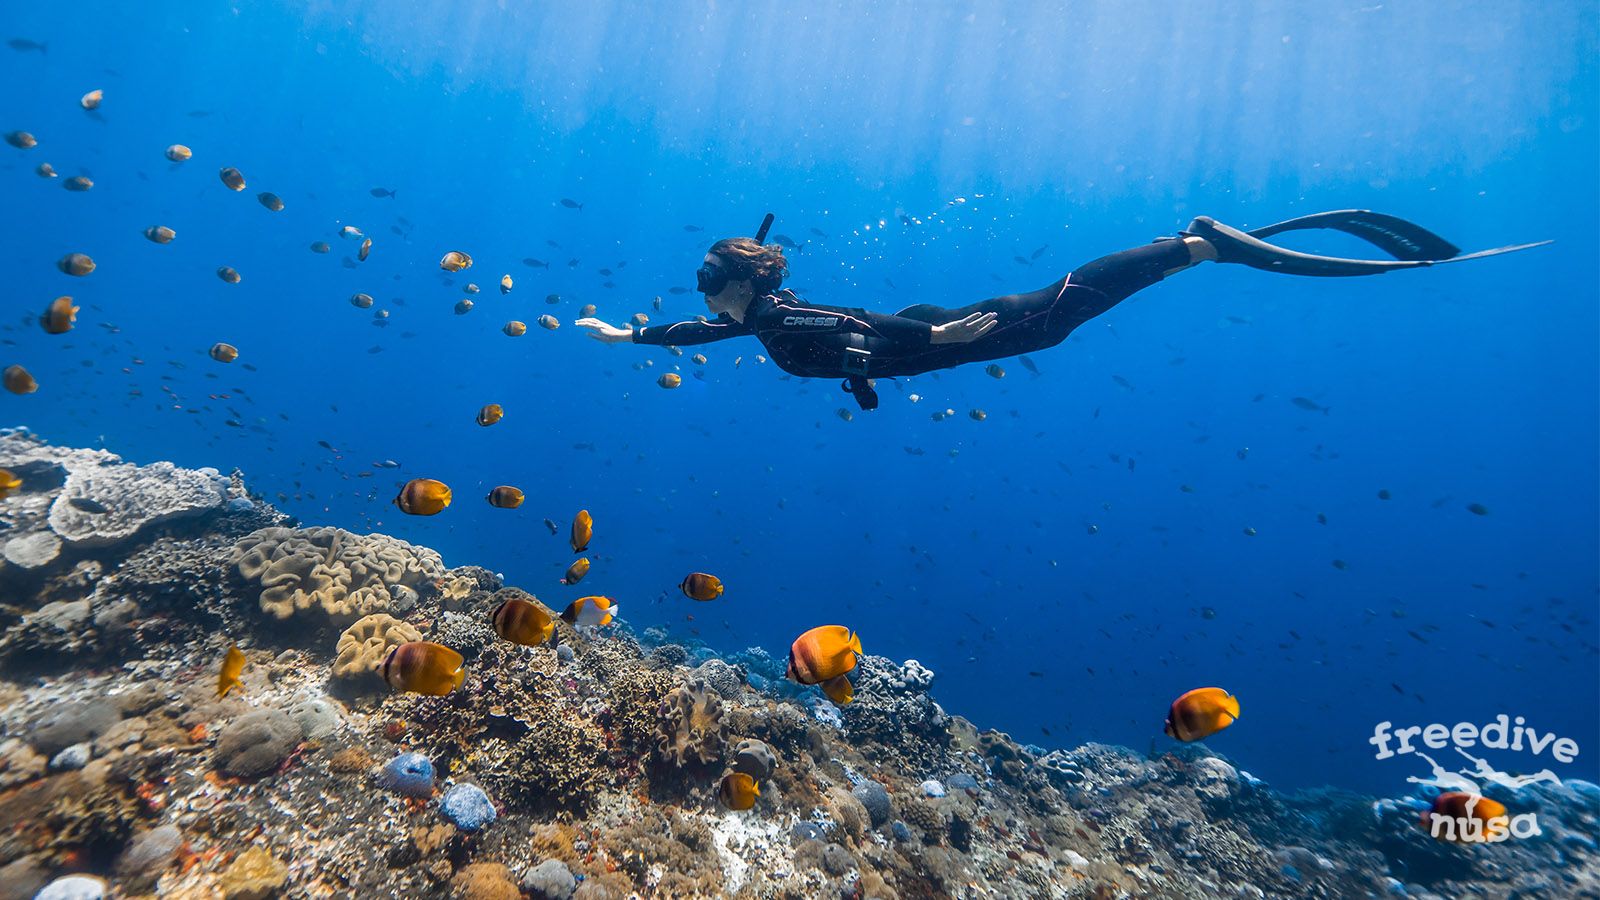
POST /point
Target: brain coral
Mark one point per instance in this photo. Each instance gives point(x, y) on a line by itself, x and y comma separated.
point(363, 646)
point(332, 571)
point(690, 725)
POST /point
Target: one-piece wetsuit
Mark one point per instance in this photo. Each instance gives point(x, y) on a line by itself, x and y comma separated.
point(818, 341)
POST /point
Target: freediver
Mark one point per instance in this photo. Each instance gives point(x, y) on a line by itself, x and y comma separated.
point(742, 279)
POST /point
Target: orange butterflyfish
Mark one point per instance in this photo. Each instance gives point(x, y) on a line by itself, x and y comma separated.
point(590, 611)
point(505, 497)
point(232, 665)
point(824, 652)
point(839, 689)
point(423, 667)
point(1201, 713)
point(523, 622)
point(582, 531)
point(1462, 807)
point(576, 571)
point(490, 414)
point(738, 791)
point(59, 316)
point(700, 586)
point(515, 329)
point(423, 497)
point(455, 261)
point(224, 352)
point(19, 380)
point(232, 177)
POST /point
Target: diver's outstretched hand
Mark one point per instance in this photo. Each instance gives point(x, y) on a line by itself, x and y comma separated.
point(604, 333)
point(962, 330)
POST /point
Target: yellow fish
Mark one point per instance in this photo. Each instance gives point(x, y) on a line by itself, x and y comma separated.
point(423, 497)
point(490, 414)
point(1201, 713)
point(582, 531)
point(8, 483)
point(700, 586)
point(523, 622)
point(738, 791)
point(423, 667)
point(822, 653)
point(590, 611)
point(505, 497)
point(839, 690)
point(224, 352)
point(505, 284)
point(232, 665)
point(455, 261)
point(576, 571)
point(59, 316)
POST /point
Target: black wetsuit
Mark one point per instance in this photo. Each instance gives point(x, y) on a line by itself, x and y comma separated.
point(818, 341)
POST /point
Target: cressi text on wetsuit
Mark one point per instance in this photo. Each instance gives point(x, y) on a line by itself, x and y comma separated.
point(816, 341)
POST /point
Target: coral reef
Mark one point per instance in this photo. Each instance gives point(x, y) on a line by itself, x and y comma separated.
point(363, 646)
point(691, 729)
point(330, 571)
point(587, 767)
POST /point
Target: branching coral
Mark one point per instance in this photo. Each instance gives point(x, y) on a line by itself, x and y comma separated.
point(332, 571)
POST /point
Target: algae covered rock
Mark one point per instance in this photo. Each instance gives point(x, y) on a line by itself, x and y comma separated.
point(332, 573)
point(484, 881)
point(77, 722)
point(549, 880)
point(254, 875)
point(363, 646)
point(257, 743)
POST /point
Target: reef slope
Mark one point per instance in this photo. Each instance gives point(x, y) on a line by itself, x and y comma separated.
point(599, 754)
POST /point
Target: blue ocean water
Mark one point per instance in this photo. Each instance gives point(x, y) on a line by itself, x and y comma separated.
point(1069, 564)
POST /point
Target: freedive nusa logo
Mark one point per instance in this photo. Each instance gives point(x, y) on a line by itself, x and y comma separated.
point(1461, 812)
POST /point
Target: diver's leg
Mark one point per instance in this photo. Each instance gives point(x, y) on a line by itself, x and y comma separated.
point(1043, 318)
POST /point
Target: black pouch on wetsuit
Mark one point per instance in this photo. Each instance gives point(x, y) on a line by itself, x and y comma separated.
point(860, 388)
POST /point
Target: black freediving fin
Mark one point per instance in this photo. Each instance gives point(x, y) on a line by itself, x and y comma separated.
point(1411, 245)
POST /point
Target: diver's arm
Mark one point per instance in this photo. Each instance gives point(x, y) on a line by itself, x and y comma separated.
point(963, 330)
point(683, 334)
point(605, 332)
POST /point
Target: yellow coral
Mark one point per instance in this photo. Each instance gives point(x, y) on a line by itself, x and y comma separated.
point(363, 645)
point(333, 571)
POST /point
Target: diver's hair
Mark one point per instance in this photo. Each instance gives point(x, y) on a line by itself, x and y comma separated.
point(762, 265)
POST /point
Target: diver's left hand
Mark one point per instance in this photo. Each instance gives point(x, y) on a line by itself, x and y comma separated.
point(963, 330)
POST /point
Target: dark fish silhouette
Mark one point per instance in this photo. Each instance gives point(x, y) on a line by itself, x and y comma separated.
point(88, 506)
point(819, 233)
point(1309, 405)
point(569, 203)
point(382, 192)
point(786, 242)
point(1021, 261)
point(535, 263)
point(1028, 364)
point(1039, 252)
point(23, 45)
point(692, 228)
point(677, 290)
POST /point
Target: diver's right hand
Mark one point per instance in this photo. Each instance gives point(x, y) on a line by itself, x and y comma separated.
point(604, 333)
